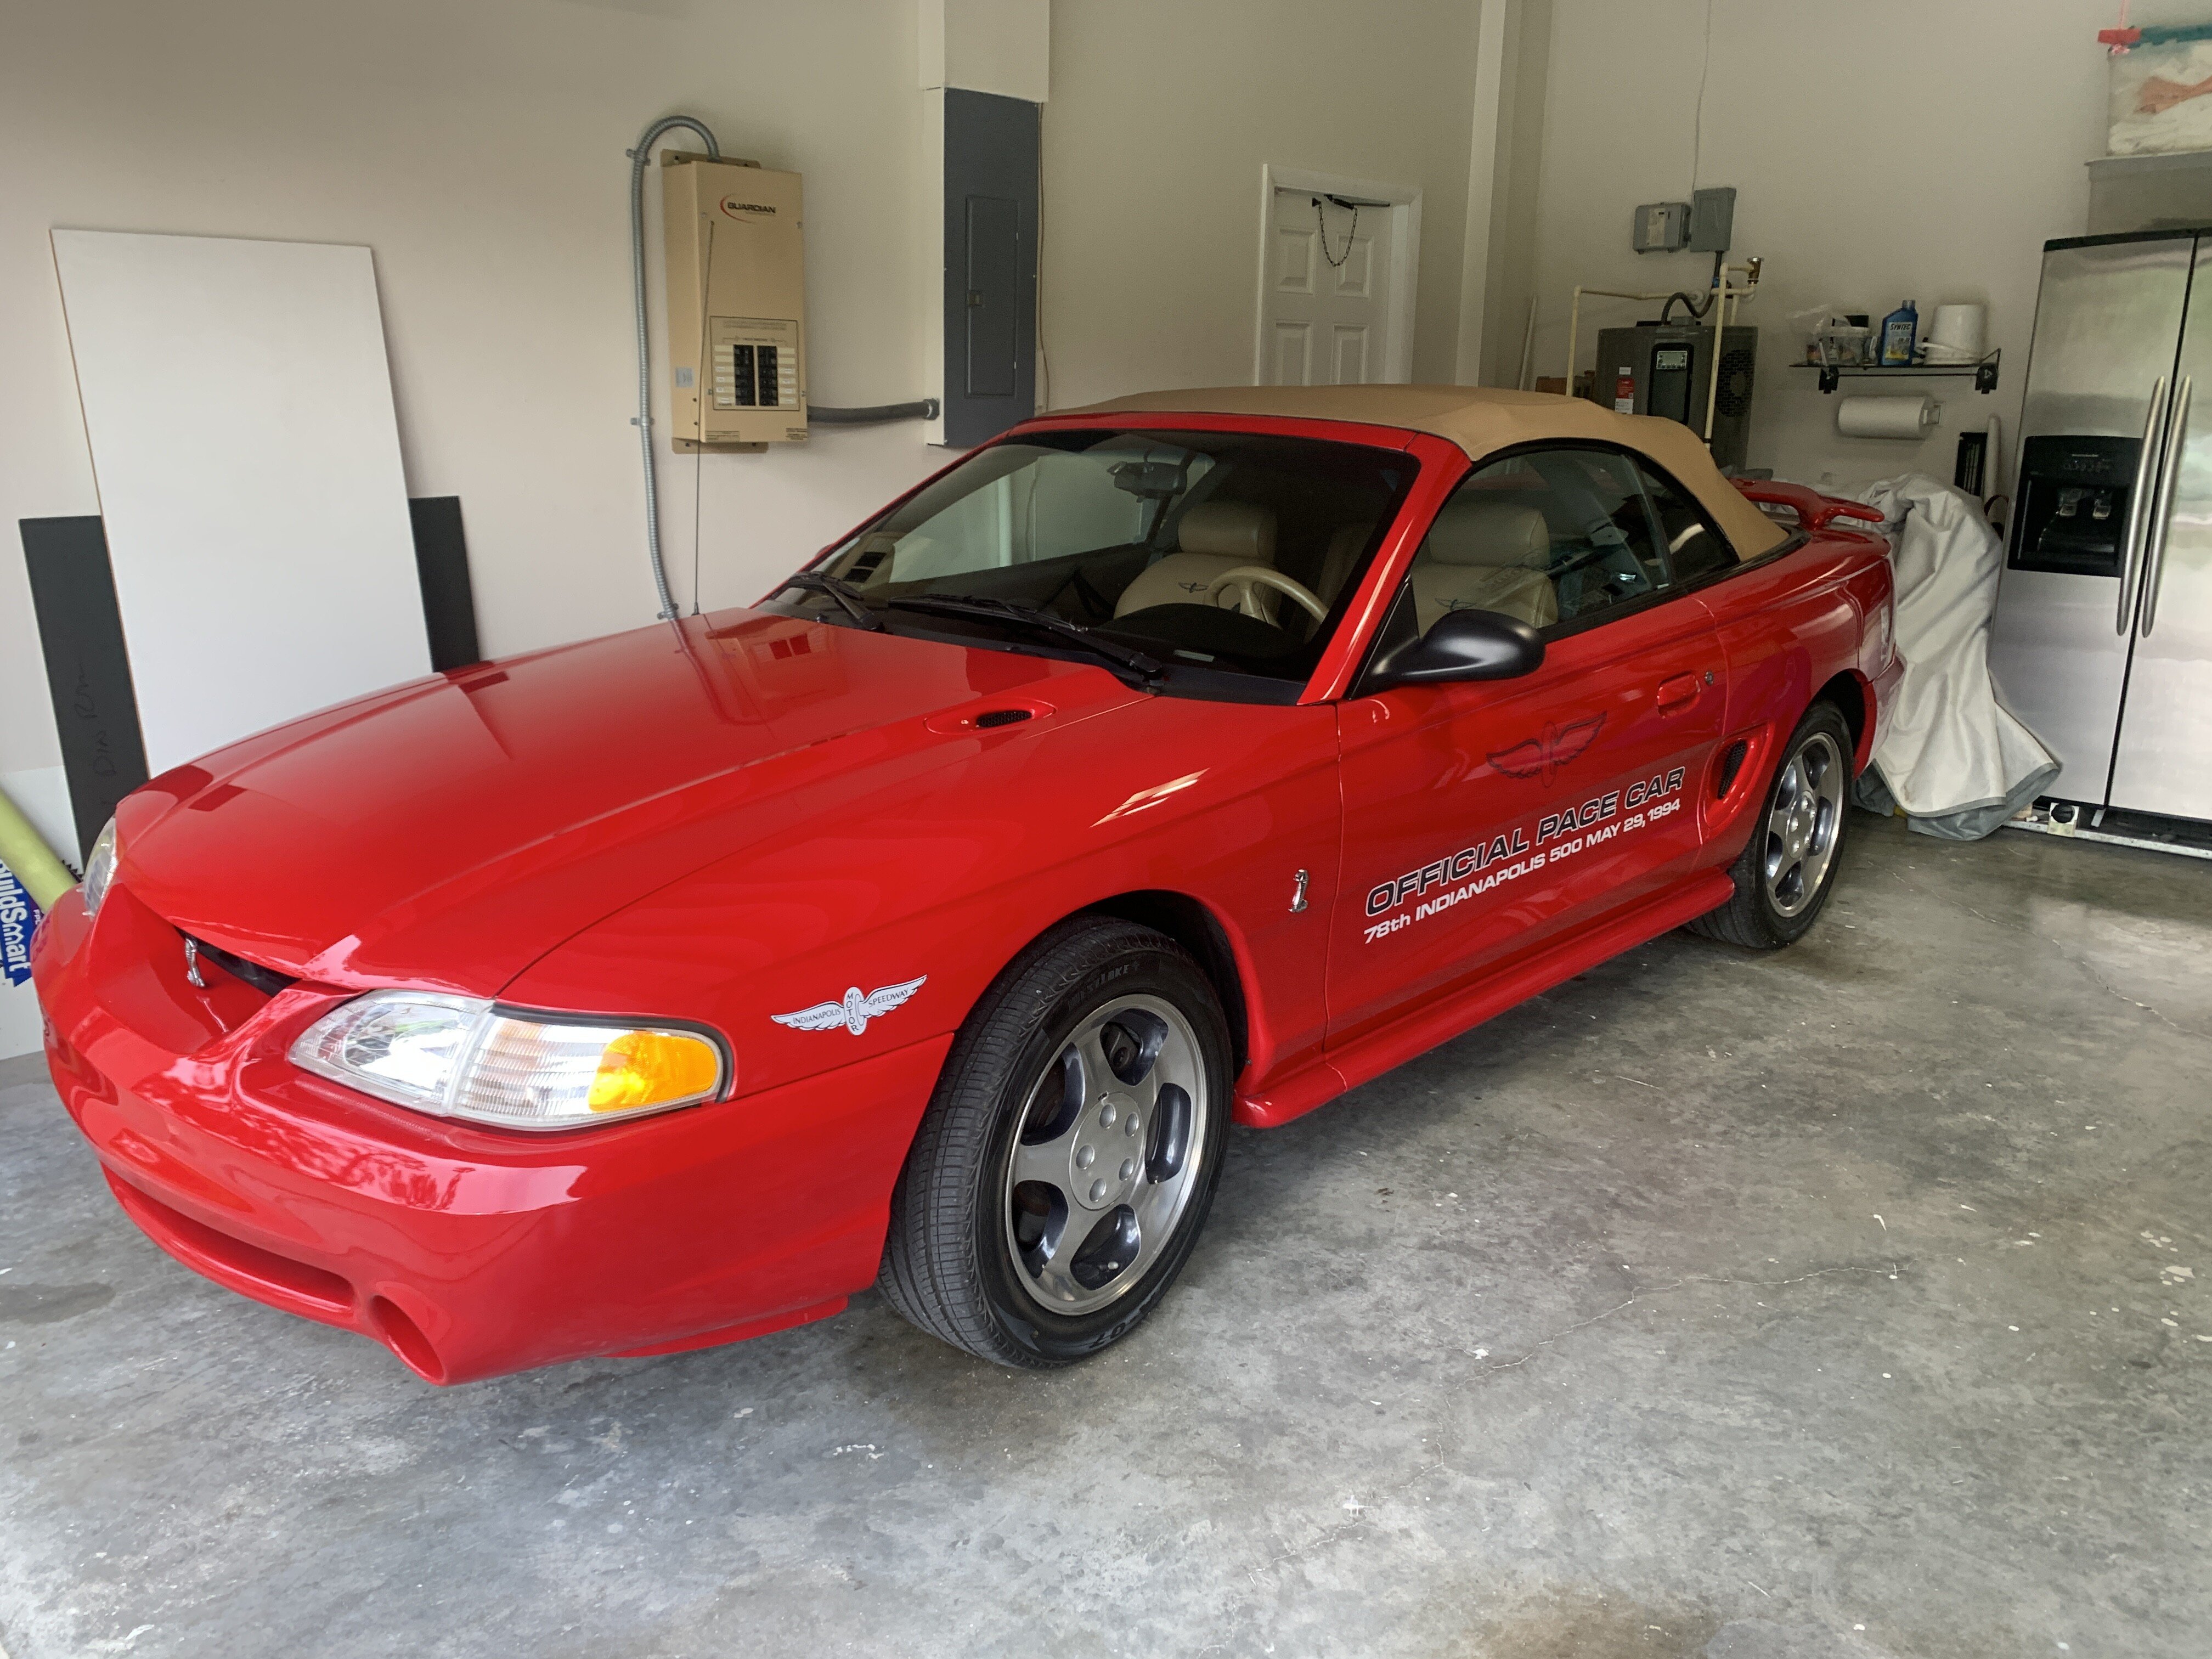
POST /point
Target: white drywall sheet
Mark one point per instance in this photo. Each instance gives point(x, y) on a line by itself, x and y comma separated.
point(239, 412)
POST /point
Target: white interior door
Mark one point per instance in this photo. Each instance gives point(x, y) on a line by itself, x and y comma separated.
point(1333, 289)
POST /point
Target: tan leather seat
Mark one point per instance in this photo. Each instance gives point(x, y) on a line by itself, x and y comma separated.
point(1484, 554)
point(1213, 538)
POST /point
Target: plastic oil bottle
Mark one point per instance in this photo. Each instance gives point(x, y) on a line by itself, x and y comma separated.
point(1900, 332)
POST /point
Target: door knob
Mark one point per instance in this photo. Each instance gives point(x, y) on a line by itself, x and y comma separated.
point(1681, 688)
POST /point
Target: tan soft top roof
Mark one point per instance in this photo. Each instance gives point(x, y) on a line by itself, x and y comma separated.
point(1480, 420)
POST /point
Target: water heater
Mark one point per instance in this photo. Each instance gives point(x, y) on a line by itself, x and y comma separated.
point(1666, 369)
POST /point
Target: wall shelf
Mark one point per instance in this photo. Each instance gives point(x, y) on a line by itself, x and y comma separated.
point(1985, 372)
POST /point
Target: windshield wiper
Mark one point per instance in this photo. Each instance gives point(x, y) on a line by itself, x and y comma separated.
point(1138, 669)
point(843, 591)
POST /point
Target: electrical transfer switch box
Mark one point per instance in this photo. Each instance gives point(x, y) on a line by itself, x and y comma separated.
point(737, 304)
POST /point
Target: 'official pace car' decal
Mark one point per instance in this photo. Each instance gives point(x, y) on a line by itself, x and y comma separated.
point(1546, 754)
point(855, 1012)
point(1554, 837)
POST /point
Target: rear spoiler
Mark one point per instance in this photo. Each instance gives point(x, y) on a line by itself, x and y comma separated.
point(1815, 511)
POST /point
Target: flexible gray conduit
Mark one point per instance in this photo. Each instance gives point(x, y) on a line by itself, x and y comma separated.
point(923, 409)
point(638, 158)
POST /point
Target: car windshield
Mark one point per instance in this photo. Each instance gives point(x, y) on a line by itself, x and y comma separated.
point(1220, 562)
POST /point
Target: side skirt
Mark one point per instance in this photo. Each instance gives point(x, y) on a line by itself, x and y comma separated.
point(1418, 1032)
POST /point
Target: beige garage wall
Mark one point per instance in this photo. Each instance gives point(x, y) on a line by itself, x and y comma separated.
point(1881, 148)
point(476, 146)
point(1163, 113)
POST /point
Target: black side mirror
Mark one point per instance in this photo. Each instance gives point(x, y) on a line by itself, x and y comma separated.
point(1463, 645)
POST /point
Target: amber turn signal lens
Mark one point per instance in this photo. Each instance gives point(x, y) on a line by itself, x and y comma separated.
point(652, 1068)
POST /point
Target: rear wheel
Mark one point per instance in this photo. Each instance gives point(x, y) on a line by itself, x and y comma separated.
point(1784, 875)
point(1065, 1166)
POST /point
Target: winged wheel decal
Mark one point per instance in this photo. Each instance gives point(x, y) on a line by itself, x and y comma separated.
point(855, 1012)
point(1546, 754)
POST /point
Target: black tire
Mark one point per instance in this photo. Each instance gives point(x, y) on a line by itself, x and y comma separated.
point(1766, 912)
point(954, 1264)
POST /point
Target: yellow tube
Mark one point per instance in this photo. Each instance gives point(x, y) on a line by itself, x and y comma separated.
point(45, 877)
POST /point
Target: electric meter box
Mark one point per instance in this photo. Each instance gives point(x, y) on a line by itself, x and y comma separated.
point(1662, 227)
point(737, 304)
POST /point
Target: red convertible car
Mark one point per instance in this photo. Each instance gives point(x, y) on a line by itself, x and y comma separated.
point(1184, 760)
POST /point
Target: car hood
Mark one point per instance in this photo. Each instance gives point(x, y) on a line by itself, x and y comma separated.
point(449, 832)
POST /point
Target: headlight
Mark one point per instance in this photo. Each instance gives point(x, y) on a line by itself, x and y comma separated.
point(458, 1057)
point(99, 870)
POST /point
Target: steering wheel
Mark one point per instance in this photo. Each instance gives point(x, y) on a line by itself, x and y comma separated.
point(1245, 582)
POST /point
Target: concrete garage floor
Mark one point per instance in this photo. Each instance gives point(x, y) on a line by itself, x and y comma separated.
point(1846, 1302)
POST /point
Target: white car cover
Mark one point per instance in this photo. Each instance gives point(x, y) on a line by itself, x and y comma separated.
point(1953, 758)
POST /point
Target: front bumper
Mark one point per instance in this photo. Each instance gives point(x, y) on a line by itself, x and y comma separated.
point(467, 1252)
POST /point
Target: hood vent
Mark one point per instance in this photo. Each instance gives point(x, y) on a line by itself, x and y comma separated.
point(955, 722)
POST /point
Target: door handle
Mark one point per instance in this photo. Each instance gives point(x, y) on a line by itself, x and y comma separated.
point(2176, 435)
point(2138, 505)
point(1676, 691)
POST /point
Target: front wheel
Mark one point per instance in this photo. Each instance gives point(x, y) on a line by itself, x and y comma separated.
point(1060, 1178)
point(1786, 869)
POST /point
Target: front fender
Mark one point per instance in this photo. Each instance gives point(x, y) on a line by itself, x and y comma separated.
point(948, 876)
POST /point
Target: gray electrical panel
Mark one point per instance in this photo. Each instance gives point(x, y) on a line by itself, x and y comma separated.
point(991, 188)
point(1712, 219)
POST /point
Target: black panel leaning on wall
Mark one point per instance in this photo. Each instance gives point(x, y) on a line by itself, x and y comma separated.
point(88, 663)
point(87, 670)
point(991, 188)
point(441, 561)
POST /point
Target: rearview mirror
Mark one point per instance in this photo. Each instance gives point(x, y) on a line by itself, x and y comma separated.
point(1463, 645)
point(1154, 480)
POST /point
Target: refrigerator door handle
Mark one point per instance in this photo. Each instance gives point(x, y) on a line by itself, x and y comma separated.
point(2177, 437)
point(2138, 504)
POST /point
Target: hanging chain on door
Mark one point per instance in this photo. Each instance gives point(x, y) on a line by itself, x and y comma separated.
point(1322, 223)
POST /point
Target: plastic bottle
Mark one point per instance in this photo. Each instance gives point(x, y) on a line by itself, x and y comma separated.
point(1900, 332)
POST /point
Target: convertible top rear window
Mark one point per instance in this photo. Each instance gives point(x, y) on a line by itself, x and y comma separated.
point(1219, 557)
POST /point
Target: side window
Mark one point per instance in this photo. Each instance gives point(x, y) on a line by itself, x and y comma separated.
point(1554, 537)
point(1694, 547)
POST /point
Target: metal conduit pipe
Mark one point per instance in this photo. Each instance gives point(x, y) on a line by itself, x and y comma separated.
point(638, 158)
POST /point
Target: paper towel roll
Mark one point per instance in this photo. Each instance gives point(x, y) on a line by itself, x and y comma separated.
point(1887, 417)
point(1959, 328)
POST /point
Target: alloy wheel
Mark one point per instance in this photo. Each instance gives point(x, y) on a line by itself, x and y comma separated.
point(1106, 1155)
point(1804, 823)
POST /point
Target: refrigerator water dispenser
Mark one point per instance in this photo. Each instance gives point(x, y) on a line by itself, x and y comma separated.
point(2072, 515)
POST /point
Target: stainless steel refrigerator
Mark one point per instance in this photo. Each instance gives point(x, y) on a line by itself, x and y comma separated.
point(2102, 642)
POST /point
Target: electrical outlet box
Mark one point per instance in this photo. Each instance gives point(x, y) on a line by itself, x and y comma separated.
point(1712, 219)
point(737, 303)
point(1662, 227)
